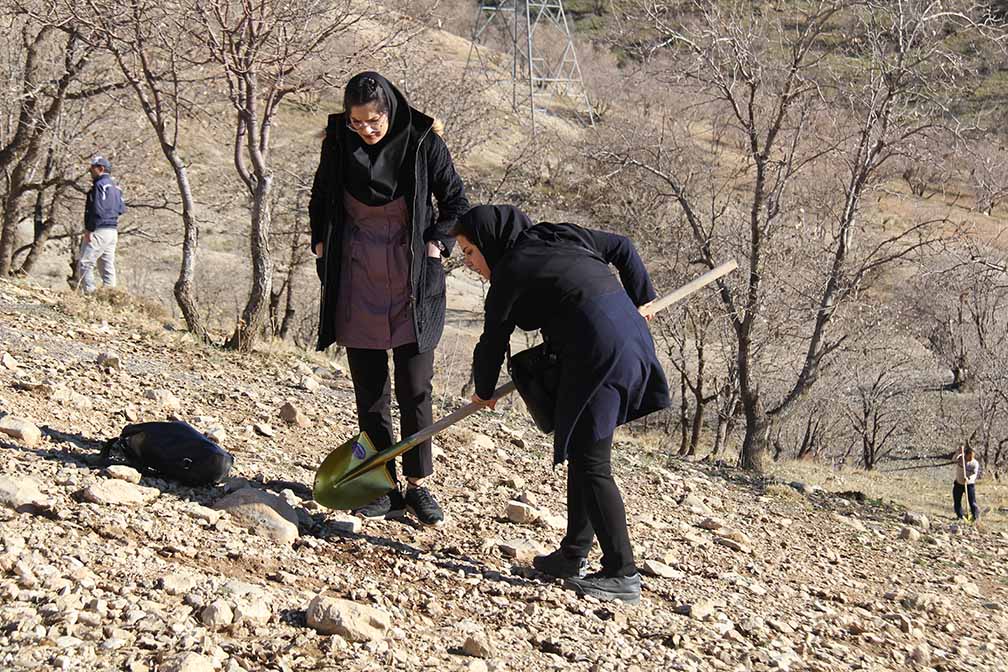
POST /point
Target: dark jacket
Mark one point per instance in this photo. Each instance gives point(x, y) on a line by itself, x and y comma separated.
point(103, 204)
point(557, 278)
point(430, 173)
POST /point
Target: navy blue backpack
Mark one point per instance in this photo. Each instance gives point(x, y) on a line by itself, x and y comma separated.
point(175, 451)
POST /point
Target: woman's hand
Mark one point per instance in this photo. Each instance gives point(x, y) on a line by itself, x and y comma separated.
point(319, 247)
point(645, 311)
point(433, 250)
point(485, 403)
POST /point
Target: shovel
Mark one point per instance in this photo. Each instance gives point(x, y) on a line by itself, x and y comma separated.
point(354, 473)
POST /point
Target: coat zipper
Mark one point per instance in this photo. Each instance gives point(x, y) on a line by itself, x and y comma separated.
point(416, 194)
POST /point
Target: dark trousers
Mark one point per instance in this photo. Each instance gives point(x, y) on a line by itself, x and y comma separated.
point(957, 493)
point(595, 506)
point(413, 388)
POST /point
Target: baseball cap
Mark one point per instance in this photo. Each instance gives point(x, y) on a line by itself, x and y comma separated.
point(103, 162)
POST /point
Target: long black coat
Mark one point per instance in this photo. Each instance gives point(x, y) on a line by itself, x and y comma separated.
point(557, 278)
point(428, 171)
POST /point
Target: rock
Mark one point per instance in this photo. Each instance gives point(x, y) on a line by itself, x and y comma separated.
point(910, 534)
point(344, 522)
point(551, 520)
point(852, 523)
point(732, 544)
point(478, 646)
point(482, 442)
point(804, 488)
point(695, 505)
point(20, 494)
point(114, 491)
point(352, 621)
point(216, 434)
point(918, 520)
point(292, 415)
point(263, 429)
point(310, 383)
point(109, 360)
point(655, 568)
point(253, 609)
point(20, 429)
point(710, 524)
point(262, 513)
point(521, 550)
point(921, 654)
point(8, 361)
point(188, 662)
point(519, 512)
point(217, 614)
point(177, 584)
point(477, 665)
point(700, 611)
point(166, 399)
point(123, 473)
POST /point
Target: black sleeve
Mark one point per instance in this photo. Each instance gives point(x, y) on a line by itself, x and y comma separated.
point(497, 329)
point(621, 253)
point(89, 213)
point(449, 191)
point(318, 204)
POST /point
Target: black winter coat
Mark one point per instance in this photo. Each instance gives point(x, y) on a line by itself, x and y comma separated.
point(431, 173)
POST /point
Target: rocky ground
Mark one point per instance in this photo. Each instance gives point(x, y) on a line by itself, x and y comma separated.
point(101, 568)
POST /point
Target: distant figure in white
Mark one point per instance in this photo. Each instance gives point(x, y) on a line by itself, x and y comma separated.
point(102, 209)
point(967, 470)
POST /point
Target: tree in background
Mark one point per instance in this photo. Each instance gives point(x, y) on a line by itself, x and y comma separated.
point(805, 127)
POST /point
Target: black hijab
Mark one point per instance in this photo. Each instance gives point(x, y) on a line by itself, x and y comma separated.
point(494, 229)
point(372, 171)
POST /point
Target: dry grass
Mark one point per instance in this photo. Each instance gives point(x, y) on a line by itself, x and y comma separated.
point(929, 493)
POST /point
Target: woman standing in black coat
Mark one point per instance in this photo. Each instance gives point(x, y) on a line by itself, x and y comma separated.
point(557, 278)
point(379, 248)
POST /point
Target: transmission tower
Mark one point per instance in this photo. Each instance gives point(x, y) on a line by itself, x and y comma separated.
point(544, 70)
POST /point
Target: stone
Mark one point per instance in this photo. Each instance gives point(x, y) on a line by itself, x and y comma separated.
point(918, 520)
point(710, 524)
point(21, 430)
point(263, 429)
point(292, 415)
point(519, 512)
point(310, 383)
point(21, 494)
point(700, 611)
point(910, 534)
point(8, 361)
point(217, 614)
point(732, 544)
point(478, 646)
point(695, 505)
point(552, 520)
point(166, 399)
point(123, 473)
point(660, 569)
point(344, 522)
point(119, 493)
point(482, 442)
point(921, 654)
point(852, 523)
point(177, 584)
point(514, 482)
point(350, 620)
point(188, 662)
point(254, 609)
point(216, 434)
point(109, 360)
point(262, 513)
point(521, 550)
point(478, 665)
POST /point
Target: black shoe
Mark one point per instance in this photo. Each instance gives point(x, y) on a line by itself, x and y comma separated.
point(561, 566)
point(623, 588)
point(386, 506)
point(421, 503)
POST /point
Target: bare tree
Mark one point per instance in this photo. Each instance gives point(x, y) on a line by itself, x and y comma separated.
point(265, 51)
point(788, 113)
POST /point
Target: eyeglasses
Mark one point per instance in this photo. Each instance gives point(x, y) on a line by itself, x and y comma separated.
point(355, 125)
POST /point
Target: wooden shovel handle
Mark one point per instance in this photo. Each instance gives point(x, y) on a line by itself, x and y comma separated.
point(710, 276)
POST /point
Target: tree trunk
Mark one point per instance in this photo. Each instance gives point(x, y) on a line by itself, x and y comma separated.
point(756, 430)
point(256, 312)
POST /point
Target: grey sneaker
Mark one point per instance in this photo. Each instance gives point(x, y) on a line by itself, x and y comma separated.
point(623, 588)
point(386, 506)
point(421, 503)
point(561, 566)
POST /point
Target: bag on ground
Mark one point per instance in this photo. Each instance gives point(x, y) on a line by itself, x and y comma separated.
point(176, 451)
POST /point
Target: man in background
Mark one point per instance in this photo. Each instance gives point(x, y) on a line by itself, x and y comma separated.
point(102, 209)
point(966, 473)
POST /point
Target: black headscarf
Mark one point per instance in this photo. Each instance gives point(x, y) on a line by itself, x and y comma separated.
point(372, 171)
point(494, 229)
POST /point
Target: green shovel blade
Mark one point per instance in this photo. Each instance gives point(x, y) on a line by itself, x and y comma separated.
point(339, 484)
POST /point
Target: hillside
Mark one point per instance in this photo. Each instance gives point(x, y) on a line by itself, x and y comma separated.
point(743, 573)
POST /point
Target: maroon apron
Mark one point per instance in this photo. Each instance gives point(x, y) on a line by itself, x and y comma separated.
point(373, 308)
